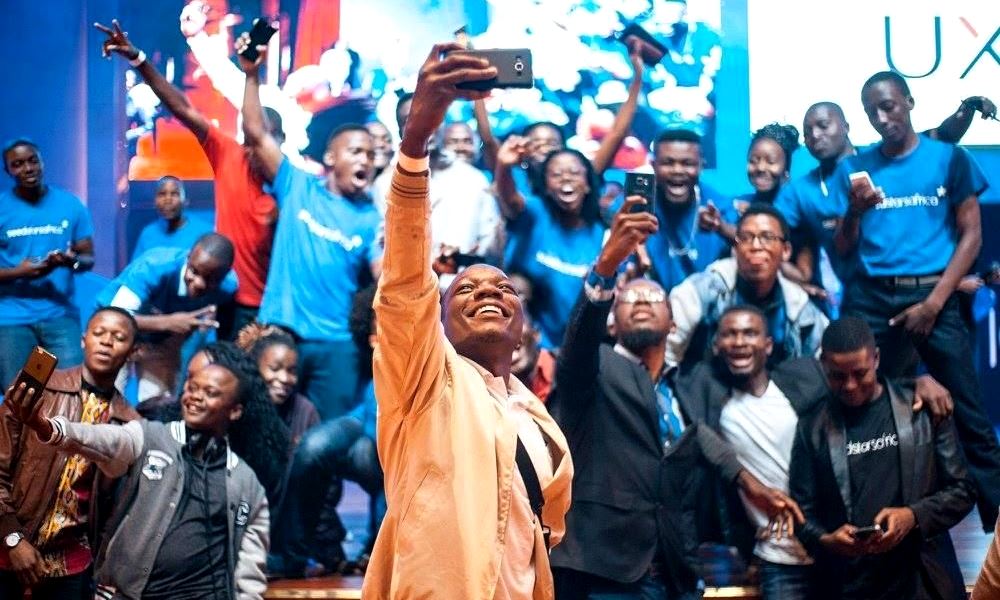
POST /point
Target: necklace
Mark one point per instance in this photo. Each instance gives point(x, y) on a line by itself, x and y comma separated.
point(688, 248)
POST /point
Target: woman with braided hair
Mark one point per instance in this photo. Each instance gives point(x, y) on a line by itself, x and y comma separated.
point(769, 162)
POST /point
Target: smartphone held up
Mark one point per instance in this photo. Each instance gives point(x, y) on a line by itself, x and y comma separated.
point(513, 69)
point(260, 35)
point(641, 184)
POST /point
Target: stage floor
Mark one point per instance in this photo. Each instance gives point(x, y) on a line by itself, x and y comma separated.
point(970, 545)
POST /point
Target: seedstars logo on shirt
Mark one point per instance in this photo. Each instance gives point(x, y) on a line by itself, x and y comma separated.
point(328, 233)
point(886, 440)
point(39, 230)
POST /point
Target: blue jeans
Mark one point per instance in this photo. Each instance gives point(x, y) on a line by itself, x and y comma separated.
point(60, 336)
point(328, 376)
point(328, 453)
point(948, 358)
point(786, 582)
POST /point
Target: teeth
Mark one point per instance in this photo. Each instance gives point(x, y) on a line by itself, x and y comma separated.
point(486, 309)
point(566, 189)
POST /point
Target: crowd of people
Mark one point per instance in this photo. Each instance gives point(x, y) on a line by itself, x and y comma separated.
point(546, 387)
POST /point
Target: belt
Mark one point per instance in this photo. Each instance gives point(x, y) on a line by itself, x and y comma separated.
point(908, 281)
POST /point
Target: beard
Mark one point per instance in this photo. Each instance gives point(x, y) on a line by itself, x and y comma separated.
point(638, 340)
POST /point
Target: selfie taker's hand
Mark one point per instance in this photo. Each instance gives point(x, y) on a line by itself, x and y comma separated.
point(628, 230)
point(24, 403)
point(436, 90)
point(117, 41)
point(896, 522)
point(250, 67)
point(27, 563)
point(863, 196)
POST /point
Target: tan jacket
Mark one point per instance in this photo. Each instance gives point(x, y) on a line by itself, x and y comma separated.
point(29, 469)
point(988, 584)
point(446, 446)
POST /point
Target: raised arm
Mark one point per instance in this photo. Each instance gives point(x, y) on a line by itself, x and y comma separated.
point(176, 102)
point(113, 448)
point(490, 144)
point(953, 128)
point(605, 154)
point(255, 132)
point(511, 153)
point(861, 197)
point(410, 351)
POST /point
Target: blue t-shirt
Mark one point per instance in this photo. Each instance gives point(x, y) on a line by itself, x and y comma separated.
point(56, 222)
point(155, 277)
point(322, 246)
point(912, 231)
point(156, 235)
point(808, 209)
point(680, 248)
point(555, 260)
point(366, 412)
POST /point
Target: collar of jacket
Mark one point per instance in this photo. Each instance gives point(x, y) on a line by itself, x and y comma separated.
point(178, 431)
point(796, 299)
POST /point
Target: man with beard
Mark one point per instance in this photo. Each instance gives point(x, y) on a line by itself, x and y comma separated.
point(752, 277)
point(322, 247)
point(478, 474)
point(638, 443)
point(45, 237)
point(689, 211)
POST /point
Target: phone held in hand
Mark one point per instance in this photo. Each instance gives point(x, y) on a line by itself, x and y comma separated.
point(641, 184)
point(863, 177)
point(651, 51)
point(260, 35)
point(513, 69)
point(37, 370)
point(866, 533)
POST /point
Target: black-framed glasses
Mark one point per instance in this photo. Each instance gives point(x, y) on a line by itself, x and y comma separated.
point(766, 238)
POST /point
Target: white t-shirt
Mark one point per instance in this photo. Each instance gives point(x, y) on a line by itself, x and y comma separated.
point(762, 431)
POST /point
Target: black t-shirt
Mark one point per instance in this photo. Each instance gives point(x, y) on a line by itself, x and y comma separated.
point(873, 463)
point(191, 563)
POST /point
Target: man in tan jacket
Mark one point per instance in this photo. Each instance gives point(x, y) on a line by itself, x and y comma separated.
point(450, 415)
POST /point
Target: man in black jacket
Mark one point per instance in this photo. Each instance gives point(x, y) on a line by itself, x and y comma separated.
point(641, 456)
point(864, 458)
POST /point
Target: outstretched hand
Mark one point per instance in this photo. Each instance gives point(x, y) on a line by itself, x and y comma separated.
point(117, 41)
point(437, 89)
point(628, 231)
point(24, 401)
point(249, 66)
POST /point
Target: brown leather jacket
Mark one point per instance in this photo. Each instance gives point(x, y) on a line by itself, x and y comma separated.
point(30, 470)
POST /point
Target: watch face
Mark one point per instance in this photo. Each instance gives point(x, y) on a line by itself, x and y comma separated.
point(12, 539)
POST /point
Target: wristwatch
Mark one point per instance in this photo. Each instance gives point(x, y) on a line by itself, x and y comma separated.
point(13, 539)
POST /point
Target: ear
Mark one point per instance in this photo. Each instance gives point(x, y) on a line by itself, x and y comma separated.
point(769, 346)
point(910, 102)
point(328, 159)
point(236, 412)
point(878, 358)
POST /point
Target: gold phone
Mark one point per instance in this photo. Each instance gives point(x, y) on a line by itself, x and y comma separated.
point(37, 370)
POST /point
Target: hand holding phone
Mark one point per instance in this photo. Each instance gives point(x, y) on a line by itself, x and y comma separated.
point(864, 534)
point(30, 382)
point(644, 185)
point(260, 35)
point(863, 193)
point(513, 69)
point(651, 51)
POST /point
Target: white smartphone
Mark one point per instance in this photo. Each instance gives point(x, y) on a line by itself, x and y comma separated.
point(861, 176)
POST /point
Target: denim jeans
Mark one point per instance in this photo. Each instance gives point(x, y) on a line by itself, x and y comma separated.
point(786, 582)
point(574, 585)
point(948, 358)
point(60, 336)
point(71, 587)
point(328, 453)
point(328, 376)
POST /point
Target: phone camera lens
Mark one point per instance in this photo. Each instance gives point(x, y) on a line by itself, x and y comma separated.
point(518, 65)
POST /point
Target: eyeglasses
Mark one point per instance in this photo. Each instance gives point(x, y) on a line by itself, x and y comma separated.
point(633, 295)
point(766, 238)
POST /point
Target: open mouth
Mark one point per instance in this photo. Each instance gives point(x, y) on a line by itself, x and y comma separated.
point(489, 311)
point(193, 409)
point(567, 194)
point(740, 360)
point(359, 178)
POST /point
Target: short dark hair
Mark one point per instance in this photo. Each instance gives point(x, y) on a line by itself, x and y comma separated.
point(677, 135)
point(890, 76)
point(747, 308)
point(342, 129)
point(533, 126)
point(277, 125)
point(361, 324)
point(833, 106)
point(847, 334)
point(132, 323)
point(786, 136)
point(14, 143)
point(175, 179)
point(763, 208)
point(218, 246)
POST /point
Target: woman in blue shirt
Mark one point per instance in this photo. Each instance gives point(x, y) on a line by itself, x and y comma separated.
point(555, 230)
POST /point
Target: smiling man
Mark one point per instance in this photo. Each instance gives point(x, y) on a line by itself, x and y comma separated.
point(466, 519)
point(752, 277)
point(51, 508)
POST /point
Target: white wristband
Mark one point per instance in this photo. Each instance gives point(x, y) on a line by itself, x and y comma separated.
point(138, 60)
point(414, 165)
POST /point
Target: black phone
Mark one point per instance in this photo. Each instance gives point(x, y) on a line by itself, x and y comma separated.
point(37, 370)
point(652, 51)
point(864, 533)
point(260, 35)
point(513, 69)
point(641, 184)
point(467, 260)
